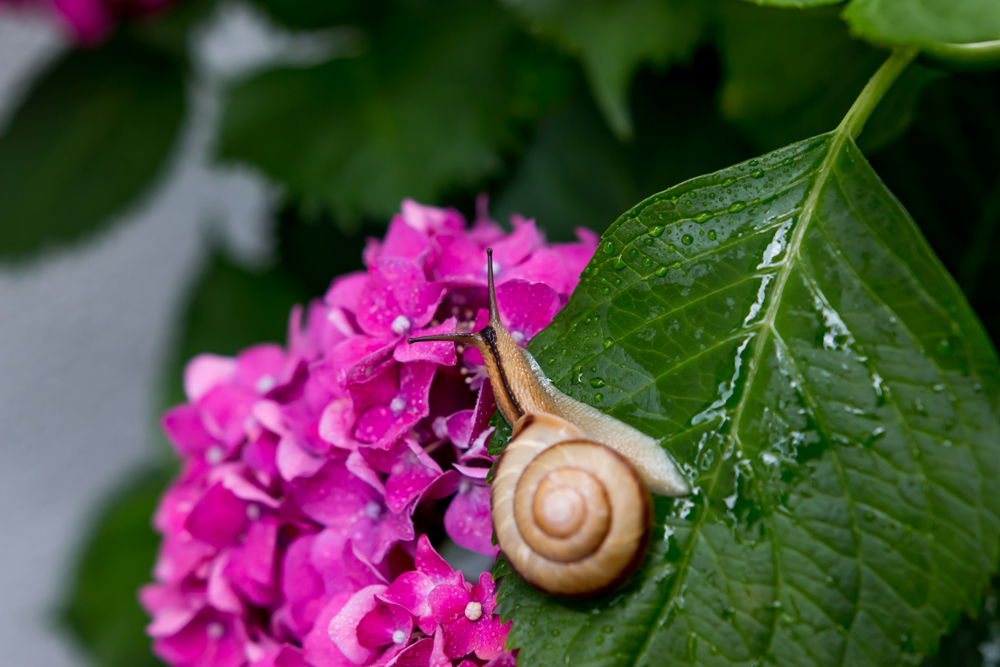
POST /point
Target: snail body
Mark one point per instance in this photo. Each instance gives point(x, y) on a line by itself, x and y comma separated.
point(570, 498)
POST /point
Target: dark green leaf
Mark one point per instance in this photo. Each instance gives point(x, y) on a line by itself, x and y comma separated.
point(789, 74)
point(314, 14)
point(613, 39)
point(88, 140)
point(785, 331)
point(425, 111)
point(946, 173)
point(917, 22)
point(231, 308)
point(576, 173)
point(102, 613)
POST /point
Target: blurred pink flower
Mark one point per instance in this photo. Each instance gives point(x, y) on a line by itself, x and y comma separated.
point(289, 536)
point(92, 21)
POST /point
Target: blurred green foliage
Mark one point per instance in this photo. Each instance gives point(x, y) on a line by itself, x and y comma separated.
point(569, 112)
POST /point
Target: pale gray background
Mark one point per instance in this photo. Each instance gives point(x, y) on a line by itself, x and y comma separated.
point(84, 331)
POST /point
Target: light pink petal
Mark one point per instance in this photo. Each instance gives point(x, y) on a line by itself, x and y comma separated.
point(301, 585)
point(406, 242)
point(260, 367)
point(318, 648)
point(205, 372)
point(293, 461)
point(221, 594)
point(357, 464)
point(346, 291)
point(544, 266)
point(467, 519)
point(461, 261)
point(359, 569)
point(518, 246)
point(225, 410)
point(430, 219)
point(343, 628)
point(333, 496)
point(527, 308)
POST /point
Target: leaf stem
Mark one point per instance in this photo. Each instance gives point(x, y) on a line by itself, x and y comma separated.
point(963, 57)
point(875, 90)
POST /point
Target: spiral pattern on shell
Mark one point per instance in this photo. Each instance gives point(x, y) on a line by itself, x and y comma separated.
point(571, 516)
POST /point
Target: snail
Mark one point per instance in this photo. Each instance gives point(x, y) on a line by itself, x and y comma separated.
point(570, 499)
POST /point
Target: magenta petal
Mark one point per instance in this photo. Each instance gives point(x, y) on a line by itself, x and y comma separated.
point(219, 517)
point(406, 242)
point(515, 248)
point(429, 562)
point(345, 291)
point(440, 352)
point(359, 569)
point(293, 461)
point(461, 261)
point(409, 591)
point(185, 430)
point(260, 367)
point(386, 624)
point(343, 628)
point(461, 637)
point(544, 266)
point(318, 647)
point(417, 654)
point(491, 637)
point(221, 594)
point(302, 585)
point(398, 299)
point(285, 655)
point(224, 410)
point(527, 307)
point(333, 496)
point(411, 474)
point(467, 519)
point(505, 659)
point(448, 603)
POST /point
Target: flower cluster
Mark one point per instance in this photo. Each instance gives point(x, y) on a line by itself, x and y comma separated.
point(91, 21)
point(295, 533)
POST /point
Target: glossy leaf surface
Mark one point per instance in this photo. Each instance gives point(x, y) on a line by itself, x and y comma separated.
point(87, 141)
point(785, 331)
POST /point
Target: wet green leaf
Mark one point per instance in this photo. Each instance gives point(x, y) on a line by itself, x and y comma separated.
point(612, 39)
point(88, 140)
point(102, 613)
point(425, 111)
point(786, 332)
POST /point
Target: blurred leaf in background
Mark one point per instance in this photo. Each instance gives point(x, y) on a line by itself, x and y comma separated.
point(101, 610)
point(423, 111)
point(612, 39)
point(87, 141)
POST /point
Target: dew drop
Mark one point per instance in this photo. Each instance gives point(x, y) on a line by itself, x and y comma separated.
point(606, 291)
point(703, 217)
point(729, 181)
point(711, 234)
point(687, 239)
point(598, 398)
point(758, 173)
point(660, 272)
point(620, 264)
point(609, 247)
point(608, 342)
point(597, 383)
point(647, 262)
point(600, 639)
point(737, 206)
point(648, 241)
point(657, 231)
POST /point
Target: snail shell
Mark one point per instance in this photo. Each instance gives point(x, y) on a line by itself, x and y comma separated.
point(570, 500)
point(571, 515)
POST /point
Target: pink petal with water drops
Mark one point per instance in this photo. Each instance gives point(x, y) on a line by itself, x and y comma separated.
point(398, 299)
point(467, 519)
point(438, 352)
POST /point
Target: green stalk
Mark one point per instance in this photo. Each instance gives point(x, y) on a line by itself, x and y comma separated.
point(875, 90)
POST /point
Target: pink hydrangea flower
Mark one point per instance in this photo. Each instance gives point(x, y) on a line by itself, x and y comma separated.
point(290, 536)
point(91, 21)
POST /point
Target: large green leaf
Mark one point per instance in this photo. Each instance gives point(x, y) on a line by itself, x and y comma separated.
point(90, 137)
point(613, 38)
point(914, 22)
point(424, 111)
point(102, 612)
point(785, 331)
point(922, 22)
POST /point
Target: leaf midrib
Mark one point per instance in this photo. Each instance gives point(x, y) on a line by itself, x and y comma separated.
point(766, 327)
